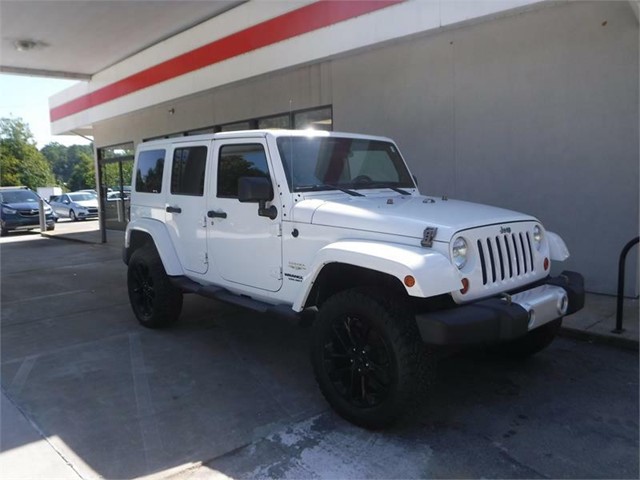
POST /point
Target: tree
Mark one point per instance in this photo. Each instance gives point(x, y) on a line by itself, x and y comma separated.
point(65, 161)
point(20, 161)
point(56, 154)
point(83, 174)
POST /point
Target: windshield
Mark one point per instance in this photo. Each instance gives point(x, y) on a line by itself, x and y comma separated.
point(79, 197)
point(19, 196)
point(324, 163)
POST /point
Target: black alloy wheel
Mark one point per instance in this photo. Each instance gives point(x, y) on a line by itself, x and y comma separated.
point(368, 357)
point(358, 361)
point(155, 301)
point(142, 289)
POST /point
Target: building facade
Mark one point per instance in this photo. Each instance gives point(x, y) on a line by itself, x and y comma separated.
point(527, 105)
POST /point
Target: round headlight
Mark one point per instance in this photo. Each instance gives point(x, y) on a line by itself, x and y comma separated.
point(459, 252)
point(538, 235)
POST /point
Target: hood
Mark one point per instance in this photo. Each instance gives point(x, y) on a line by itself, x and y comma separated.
point(403, 215)
point(87, 203)
point(23, 205)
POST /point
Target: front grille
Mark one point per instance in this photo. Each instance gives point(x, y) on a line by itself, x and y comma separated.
point(505, 257)
point(92, 210)
point(28, 213)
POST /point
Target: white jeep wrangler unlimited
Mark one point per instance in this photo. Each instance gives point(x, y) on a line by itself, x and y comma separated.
point(288, 221)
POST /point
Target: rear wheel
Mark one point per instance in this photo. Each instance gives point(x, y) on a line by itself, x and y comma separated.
point(533, 342)
point(156, 302)
point(368, 358)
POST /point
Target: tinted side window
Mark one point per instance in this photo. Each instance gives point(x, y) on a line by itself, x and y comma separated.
point(149, 171)
point(187, 172)
point(239, 161)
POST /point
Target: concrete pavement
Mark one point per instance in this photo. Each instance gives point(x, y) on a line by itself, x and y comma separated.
point(87, 393)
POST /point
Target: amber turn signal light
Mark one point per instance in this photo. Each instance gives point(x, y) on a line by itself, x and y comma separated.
point(409, 281)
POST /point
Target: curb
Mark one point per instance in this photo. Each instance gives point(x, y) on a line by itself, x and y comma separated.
point(71, 239)
point(603, 339)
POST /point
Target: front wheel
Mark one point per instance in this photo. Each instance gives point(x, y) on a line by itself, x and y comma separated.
point(368, 358)
point(72, 216)
point(156, 302)
point(532, 342)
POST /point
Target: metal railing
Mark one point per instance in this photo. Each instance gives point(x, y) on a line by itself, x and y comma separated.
point(621, 272)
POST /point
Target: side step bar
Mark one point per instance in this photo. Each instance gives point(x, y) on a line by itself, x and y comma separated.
point(222, 294)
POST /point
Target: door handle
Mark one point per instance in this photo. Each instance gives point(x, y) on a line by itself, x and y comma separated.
point(171, 209)
point(214, 214)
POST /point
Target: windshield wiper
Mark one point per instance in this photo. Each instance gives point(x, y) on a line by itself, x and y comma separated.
point(399, 190)
point(328, 186)
point(385, 185)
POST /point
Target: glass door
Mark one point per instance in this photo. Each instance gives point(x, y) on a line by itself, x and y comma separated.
point(116, 165)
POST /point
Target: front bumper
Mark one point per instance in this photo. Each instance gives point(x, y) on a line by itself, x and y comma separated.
point(501, 319)
point(24, 223)
point(87, 214)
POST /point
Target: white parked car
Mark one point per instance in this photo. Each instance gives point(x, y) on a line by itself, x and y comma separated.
point(75, 205)
point(113, 196)
point(293, 221)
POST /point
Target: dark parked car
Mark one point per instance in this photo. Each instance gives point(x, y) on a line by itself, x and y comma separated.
point(21, 210)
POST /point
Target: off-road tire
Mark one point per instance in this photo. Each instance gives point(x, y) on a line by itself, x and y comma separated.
point(533, 342)
point(392, 336)
point(156, 302)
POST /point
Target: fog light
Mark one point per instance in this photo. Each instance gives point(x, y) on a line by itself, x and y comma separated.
point(409, 281)
point(563, 304)
point(465, 286)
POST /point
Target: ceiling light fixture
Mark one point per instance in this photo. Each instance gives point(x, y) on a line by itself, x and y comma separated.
point(27, 44)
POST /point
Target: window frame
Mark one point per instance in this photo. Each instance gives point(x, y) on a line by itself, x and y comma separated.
point(137, 165)
point(178, 148)
point(243, 142)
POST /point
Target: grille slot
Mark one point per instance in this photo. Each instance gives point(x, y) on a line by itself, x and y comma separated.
point(505, 257)
point(28, 213)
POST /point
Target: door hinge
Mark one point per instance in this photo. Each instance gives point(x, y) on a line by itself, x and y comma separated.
point(277, 273)
point(276, 229)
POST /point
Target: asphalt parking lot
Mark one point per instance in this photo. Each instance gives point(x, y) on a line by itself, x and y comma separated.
point(227, 392)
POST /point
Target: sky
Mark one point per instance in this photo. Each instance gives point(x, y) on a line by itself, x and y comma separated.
point(28, 98)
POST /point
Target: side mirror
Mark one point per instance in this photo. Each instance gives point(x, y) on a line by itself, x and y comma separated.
point(257, 189)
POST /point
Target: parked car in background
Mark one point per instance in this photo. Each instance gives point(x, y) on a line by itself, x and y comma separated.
point(92, 192)
point(76, 205)
point(111, 196)
point(21, 210)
